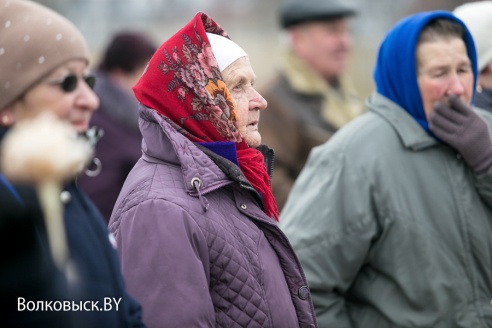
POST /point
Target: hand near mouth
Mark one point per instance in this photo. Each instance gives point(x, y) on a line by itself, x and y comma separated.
point(462, 128)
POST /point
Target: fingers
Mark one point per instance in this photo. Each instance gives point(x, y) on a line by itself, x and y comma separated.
point(441, 124)
point(449, 112)
point(456, 103)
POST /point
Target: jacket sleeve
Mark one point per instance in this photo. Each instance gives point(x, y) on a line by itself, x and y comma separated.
point(484, 187)
point(288, 161)
point(483, 182)
point(330, 222)
point(164, 259)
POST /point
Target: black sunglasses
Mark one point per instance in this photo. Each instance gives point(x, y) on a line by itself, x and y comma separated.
point(69, 83)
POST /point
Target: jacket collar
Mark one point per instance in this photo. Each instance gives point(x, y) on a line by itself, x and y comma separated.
point(338, 105)
point(413, 136)
point(304, 79)
point(301, 77)
point(227, 150)
point(163, 144)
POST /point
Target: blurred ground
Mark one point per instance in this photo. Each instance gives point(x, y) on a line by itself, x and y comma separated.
point(251, 23)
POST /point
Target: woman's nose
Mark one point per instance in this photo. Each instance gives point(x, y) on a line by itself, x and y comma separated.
point(258, 101)
point(455, 86)
point(87, 98)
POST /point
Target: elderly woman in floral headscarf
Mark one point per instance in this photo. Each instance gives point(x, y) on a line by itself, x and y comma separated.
point(196, 222)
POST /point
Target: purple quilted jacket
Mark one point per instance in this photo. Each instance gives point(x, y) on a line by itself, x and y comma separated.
point(196, 249)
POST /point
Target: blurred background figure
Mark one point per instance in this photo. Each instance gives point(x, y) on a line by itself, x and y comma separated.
point(121, 66)
point(311, 97)
point(478, 18)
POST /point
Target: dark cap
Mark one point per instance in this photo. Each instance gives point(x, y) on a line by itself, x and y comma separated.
point(293, 12)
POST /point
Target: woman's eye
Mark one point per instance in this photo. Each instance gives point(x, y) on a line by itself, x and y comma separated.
point(438, 74)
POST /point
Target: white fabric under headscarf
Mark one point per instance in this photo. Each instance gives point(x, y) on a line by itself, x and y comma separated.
point(225, 51)
point(477, 17)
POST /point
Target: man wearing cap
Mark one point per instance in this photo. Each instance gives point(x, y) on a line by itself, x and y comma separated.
point(477, 17)
point(310, 98)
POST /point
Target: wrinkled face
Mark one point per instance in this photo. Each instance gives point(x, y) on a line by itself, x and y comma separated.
point(324, 45)
point(443, 70)
point(240, 79)
point(75, 107)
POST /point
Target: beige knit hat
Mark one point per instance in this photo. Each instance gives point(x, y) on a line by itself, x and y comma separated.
point(34, 40)
point(477, 17)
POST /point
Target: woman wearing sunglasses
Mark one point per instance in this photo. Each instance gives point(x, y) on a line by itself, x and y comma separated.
point(44, 65)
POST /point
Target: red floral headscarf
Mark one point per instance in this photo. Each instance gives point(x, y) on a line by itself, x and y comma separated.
point(183, 83)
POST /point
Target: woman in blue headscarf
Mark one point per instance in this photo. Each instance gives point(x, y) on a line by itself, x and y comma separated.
point(392, 218)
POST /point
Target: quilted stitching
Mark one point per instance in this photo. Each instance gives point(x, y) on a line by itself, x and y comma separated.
point(238, 297)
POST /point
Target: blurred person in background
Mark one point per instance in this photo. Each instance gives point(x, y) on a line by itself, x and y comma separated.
point(392, 217)
point(44, 65)
point(196, 221)
point(478, 18)
point(119, 148)
point(26, 267)
point(311, 96)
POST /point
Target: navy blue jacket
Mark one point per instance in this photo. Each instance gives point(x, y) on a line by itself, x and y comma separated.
point(27, 270)
point(97, 265)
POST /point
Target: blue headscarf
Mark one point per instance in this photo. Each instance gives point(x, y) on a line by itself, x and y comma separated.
point(395, 73)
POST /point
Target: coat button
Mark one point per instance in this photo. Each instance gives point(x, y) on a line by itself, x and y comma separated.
point(243, 206)
point(303, 292)
point(65, 197)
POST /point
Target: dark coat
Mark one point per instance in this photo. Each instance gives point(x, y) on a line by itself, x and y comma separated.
point(303, 111)
point(119, 148)
point(97, 264)
point(27, 270)
point(483, 99)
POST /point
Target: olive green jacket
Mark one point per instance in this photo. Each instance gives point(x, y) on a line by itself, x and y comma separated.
point(392, 227)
